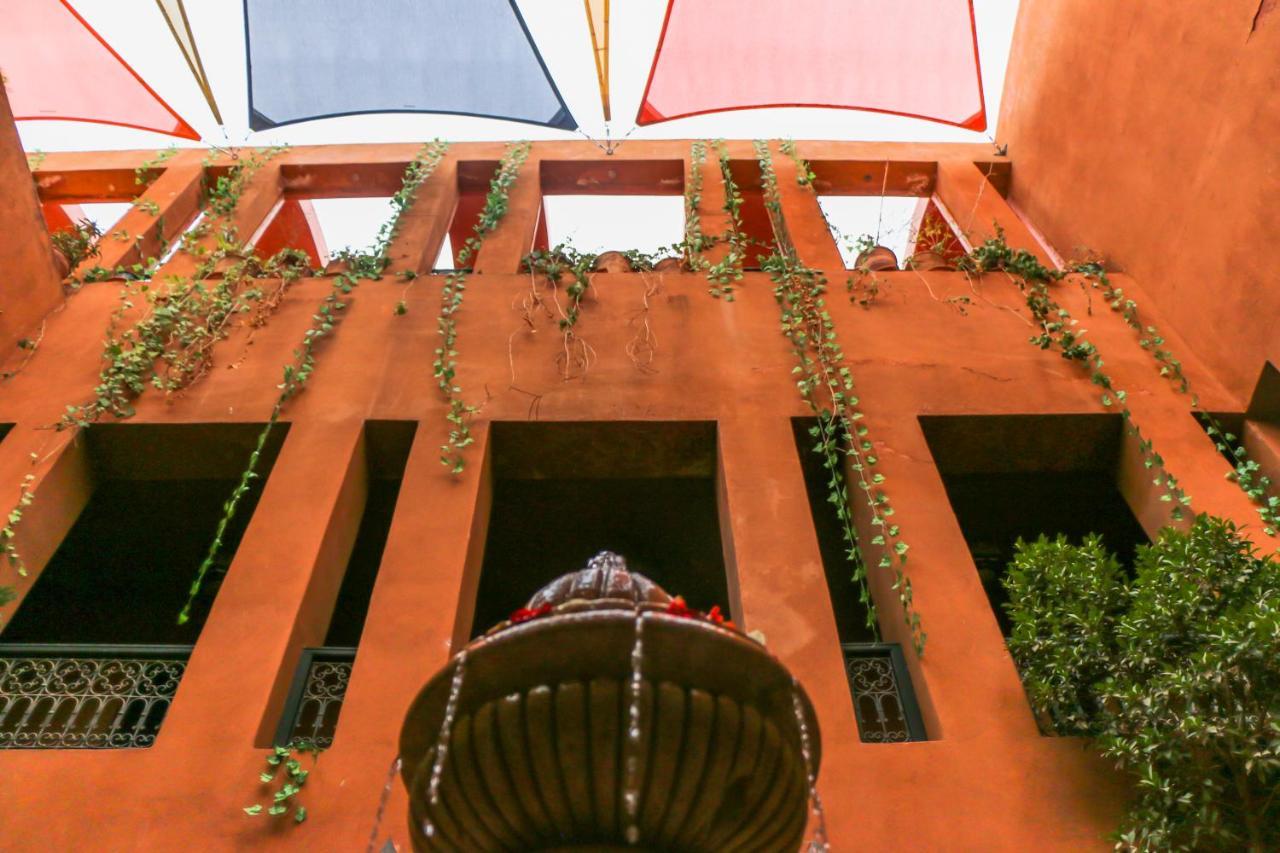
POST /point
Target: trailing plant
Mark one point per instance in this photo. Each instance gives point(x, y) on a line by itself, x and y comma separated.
point(1171, 673)
point(724, 274)
point(9, 532)
point(826, 385)
point(77, 243)
point(1247, 472)
point(142, 174)
point(804, 174)
point(445, 367)
point(695, 242)
point(552, 265)
point(170, 346)
point(359, 265)
point(1059, 330)
point(291, 782)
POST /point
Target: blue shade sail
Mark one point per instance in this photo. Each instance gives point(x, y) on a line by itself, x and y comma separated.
point(311, 59)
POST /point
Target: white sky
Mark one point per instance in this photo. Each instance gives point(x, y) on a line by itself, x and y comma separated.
point(137, 31)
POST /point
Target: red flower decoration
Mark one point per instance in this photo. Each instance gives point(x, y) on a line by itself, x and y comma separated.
point(524, 614)
point(677, 607)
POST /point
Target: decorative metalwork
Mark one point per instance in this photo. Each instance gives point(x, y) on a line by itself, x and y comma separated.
point(86, 697)
point(315, 700)
point(883, 699)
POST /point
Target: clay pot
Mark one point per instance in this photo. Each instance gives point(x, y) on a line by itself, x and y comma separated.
point(612, 262)
point(669, 265)
point(537, 756)
point(877, 259)
point(925, 261)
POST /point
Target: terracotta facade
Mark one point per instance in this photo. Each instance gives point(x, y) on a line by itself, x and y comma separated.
point(984, 780)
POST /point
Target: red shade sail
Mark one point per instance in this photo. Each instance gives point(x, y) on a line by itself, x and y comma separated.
point(57, 67)
point(914, 58)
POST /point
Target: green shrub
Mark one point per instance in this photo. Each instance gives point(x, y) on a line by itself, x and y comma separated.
point(78, 242)
point(1175, 675)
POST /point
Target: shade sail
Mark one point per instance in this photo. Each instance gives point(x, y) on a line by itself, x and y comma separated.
point(57, 67)
point(915, 58)
point(313, 59)
point(598, 24)
point(175, 15)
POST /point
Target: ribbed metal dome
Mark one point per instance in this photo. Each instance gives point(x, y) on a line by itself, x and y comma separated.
point(604, 580)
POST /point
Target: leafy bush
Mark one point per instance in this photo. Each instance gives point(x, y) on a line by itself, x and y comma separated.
point(78, 242)
point(1175, 675)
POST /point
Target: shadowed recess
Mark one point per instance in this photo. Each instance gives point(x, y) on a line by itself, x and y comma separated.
point(1011, 477)
point(123, 571)
point(563, 492)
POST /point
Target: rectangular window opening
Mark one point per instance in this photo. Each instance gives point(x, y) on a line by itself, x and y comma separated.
point(888, 204)
point(563, 492)
point(606, 207)
point(1011, 477)
point(752, 214)
point(319, 686)
point(109, 598)
point(879, 683)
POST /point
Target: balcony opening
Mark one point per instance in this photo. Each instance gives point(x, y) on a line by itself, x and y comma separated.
point(889, 204)
point(108, 600)
point(1011, 477)
point(60, 216)
point(602, 207)
point(884, 701)
point(563, 492)
point(752, 214)
point(878, 220)
point(320, 680)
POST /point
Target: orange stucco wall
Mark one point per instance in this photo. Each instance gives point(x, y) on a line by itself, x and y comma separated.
point(986, 780)
point(1148, 132)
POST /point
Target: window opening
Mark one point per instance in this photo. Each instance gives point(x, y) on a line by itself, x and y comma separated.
point(1011, 477)
point(645, 490)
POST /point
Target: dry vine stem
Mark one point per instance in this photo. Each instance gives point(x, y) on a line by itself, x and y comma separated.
point(642, 348)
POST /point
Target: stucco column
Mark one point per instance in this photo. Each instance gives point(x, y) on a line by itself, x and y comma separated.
point(31, 286)
point(282, 582)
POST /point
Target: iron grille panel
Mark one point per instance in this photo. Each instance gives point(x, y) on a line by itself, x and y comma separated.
point(86, 697)
point(883, 699)
point(315, 699)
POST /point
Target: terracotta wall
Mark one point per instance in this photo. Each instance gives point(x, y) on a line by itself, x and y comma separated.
point(1151, 132)
point(986, 780)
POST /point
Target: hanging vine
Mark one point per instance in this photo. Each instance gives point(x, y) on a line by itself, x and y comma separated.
point(445, 367)
point(551, 265)
point(695, 243)
point(723, 275)
point(171, 346)
point(1247, 472)
point(359, 266)
point(291, 782)
point(826, 385)
point(1058, 330)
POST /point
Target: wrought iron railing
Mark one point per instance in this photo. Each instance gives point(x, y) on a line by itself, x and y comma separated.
point(55, 696)
point(883, 699)
point(315, 697)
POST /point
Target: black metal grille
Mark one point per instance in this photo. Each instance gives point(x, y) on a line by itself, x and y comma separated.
point(883, 699)
point(315, 699)
point(86, 697)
